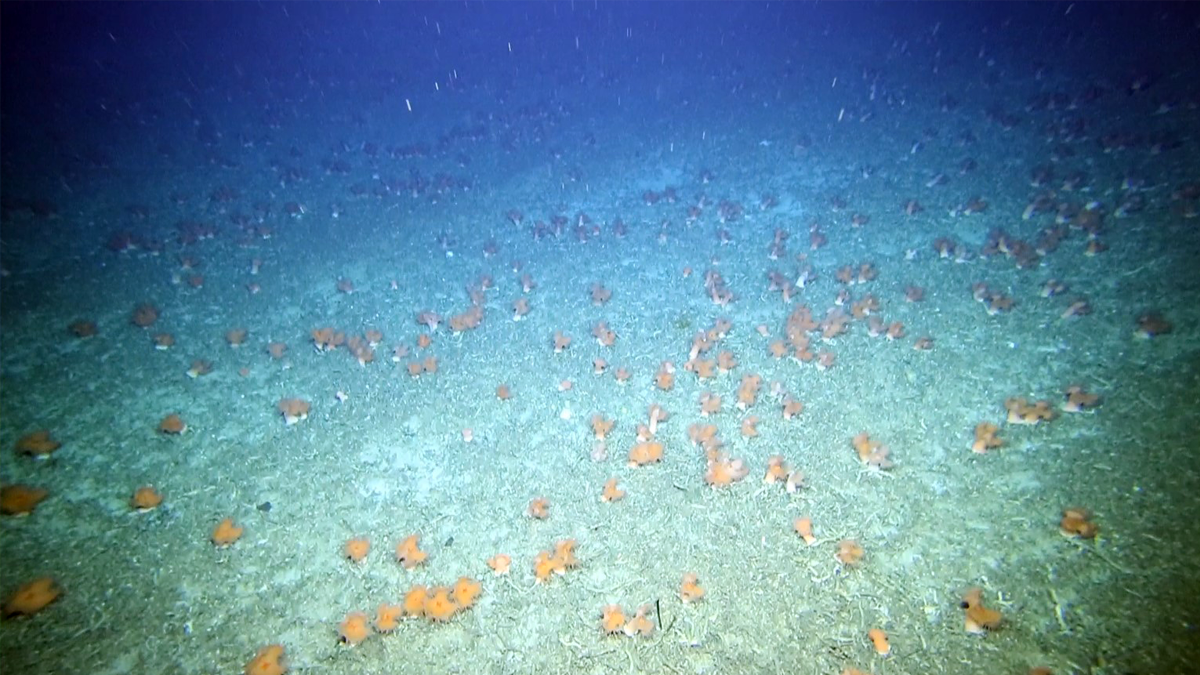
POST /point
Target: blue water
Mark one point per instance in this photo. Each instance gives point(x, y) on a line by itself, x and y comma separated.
point(282, 168)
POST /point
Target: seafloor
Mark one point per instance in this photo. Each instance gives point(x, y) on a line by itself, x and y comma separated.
point(412, 209)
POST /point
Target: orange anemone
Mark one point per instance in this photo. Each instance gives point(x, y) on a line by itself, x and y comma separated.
point(356, 549)
point(408, 554)
point(269, 660)
point(226, 532)
point(465, 591)
point(500, 563)
point(690, 589)
point(31, 597)
point(438, 605)
point(355, 628)
point(612, 619)
point(146, 498)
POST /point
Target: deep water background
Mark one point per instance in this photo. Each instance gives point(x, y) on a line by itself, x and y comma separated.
point(385, 144)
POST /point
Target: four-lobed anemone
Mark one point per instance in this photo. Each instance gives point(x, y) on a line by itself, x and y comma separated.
point(145, 498)
point(978, 619)
point(20, 500)
point(37, 444)
point(226, 533)
point(31, 597)
point(294, 410)
point(270, 660)
point(408, 552)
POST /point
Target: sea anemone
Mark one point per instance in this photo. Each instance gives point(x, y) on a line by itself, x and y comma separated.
point(538, 508)
point(356, 549)
point(639, 625)
point(564, 555)
point(500, 563)
point(879, 640)
point(361, 350)
point(387, 617)
point(557, 561)
point(543, 567)
point(414, 601)
point(849, 553)
point(726, 361)
point(1021, 411)
point(605, 336)
point(20, 500)
point(703, 435)
point(294, 410)
point(172, 425)
point(144, 315)
point(408, 552)
point(327, 339)
point(664, 379)
point(986, 438)
point(270, 660)
point(601, 427)
point(225, 533)
point(747, 392)
point(1079, 400)
point(600, 294)
point(655, 414)
point(703, 369)
point(465, 591)
point(612, 620)
point(792, 407)
point(647, 452)
point(978, 619)
point(803, 527)
point(794, 482)
point(1077, 522)
point(355, 628)
point(146, 498)
point(749, 426)
point(722, 471)
point(611, 493)
point(37, 444)
point(438, 605)
point(710, 404)
point(690, 589)
point(1152, 324)
point(83, 328)
point(236, 337)
point(871, 452)
point(1078, 307)
point(520, 308)
point(561, 342)
point(31, 597)
point(777, 469)
point(199, 368)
